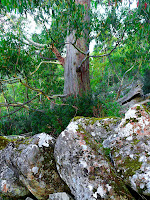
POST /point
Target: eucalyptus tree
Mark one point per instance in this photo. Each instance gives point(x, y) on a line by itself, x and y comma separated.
point(74, 25)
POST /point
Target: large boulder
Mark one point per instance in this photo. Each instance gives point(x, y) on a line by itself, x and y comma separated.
point(81, 162)
point(98, 158)
point(130, 149)
point(9, 182)
point(28, 165)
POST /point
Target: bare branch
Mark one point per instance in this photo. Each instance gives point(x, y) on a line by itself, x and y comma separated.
point(44, 62)
point(18, 104)
point(41, 92)
point(85, 53)
point(121, 84)
point(45, 58)
point(56, 96)
point(9, 80)
point(107, 54)
point(117, 43)
point(37, 44)
point(20, 107)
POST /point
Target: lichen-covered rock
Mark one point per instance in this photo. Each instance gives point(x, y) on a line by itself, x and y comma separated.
point(82, 164)
point(28, 198)
point(99, 128)
point(29, 165)
point(130, 149)
point(60, 196)
point(9, 183)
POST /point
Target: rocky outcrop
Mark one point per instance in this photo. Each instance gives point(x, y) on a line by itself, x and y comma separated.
point(28, 165)
point(91, 159)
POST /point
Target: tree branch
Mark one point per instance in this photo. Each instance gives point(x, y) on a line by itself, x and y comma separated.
point(107, 54)
point(87, 56)
point(13, 105)
point(38, 45)
point(59, 57)
point(120, 88)
point(45, 62)
point(41, 92)
point(20, 107)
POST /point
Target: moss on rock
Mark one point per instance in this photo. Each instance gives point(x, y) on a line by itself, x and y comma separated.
point(3, 142)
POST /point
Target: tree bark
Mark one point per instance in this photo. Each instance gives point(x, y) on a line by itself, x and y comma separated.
point(76, 77)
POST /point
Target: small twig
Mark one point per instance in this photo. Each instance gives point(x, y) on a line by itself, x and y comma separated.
point(120, 88)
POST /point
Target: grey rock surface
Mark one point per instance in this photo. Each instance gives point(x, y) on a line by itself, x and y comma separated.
point(130, 149)
point(28, 165)
point(60, 196)
point(28, 198)
point(82, 164)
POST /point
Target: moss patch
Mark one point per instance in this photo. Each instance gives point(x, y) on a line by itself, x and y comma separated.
point(130, 120)
point(3, 142)
point(131, 166)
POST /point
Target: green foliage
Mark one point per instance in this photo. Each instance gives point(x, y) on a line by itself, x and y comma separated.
point(54, 121)
point(146, 81)
point(115, 24)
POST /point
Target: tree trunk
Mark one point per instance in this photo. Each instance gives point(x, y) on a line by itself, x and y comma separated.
point(76, 76)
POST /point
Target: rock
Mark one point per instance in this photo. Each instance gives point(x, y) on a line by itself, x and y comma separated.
point(136, 93)
point(9, 183)
point(29, 165)
point(130, 149)
point(81, 162)
point(28, 198)
point(96, 158)
point(60, 196)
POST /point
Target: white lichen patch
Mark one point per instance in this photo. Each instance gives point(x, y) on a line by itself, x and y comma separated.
point(84, 147)
point(83, 163)
point(129, 138)
point(100, 191)
point(109, 187)
point(35, 170)
point(90, 187)
point(143, 158)
point(131, 156)
point(73, 126)
point(136, 121)
point(3, 183)
point(142, 185)
point(63, 134)
point(131, 113)
point(93, 134)
point(44, 140)
point(125, 131)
